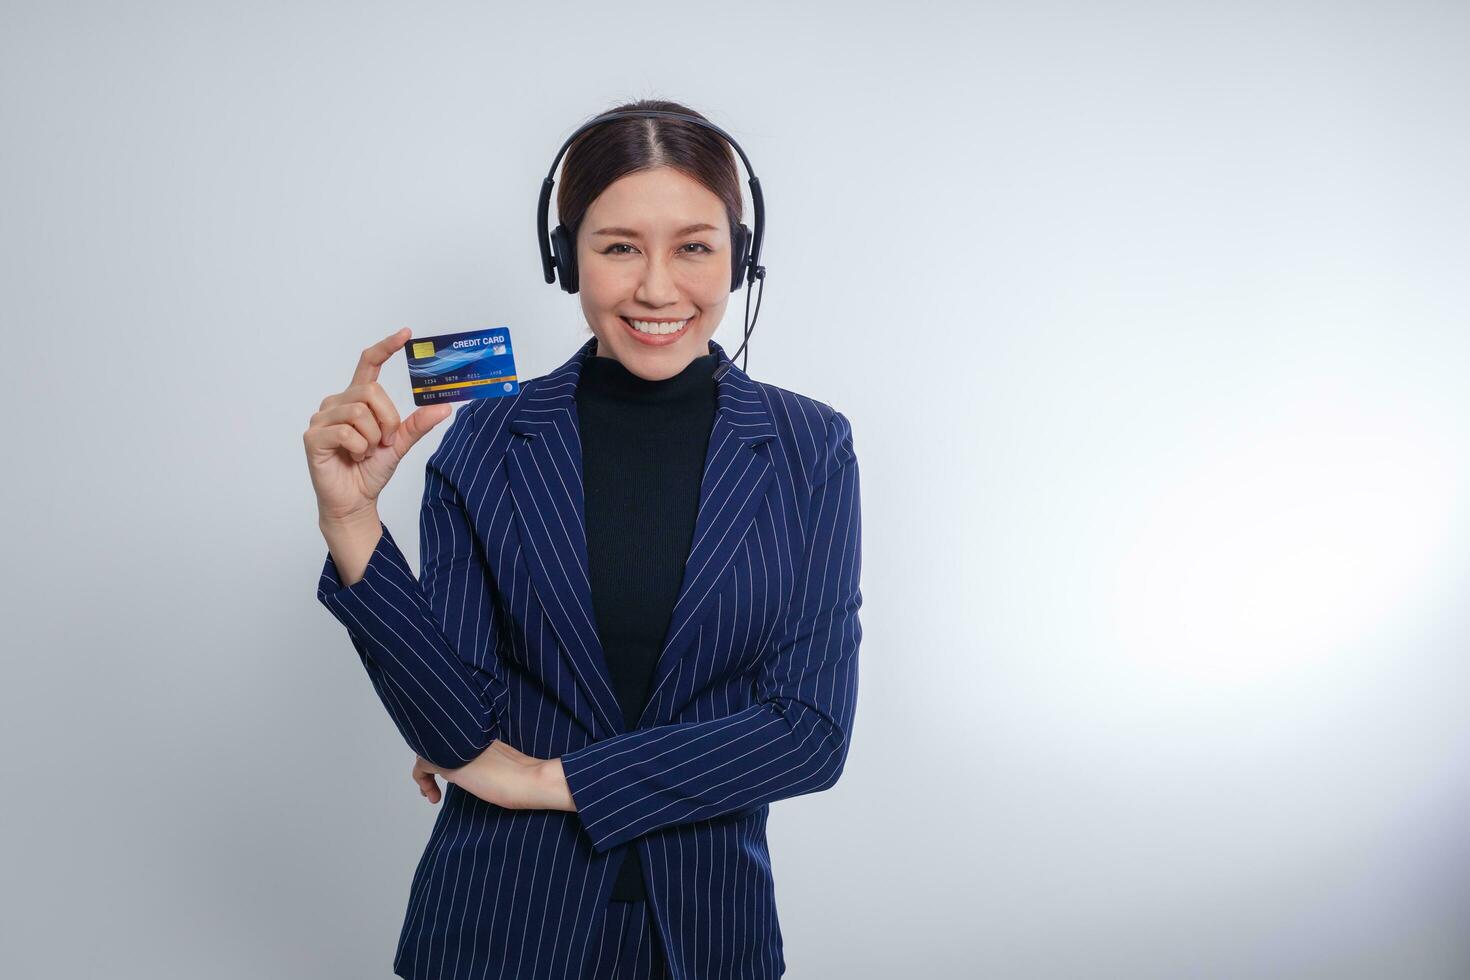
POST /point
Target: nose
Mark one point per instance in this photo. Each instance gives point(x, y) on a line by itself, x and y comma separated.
point(657, 287)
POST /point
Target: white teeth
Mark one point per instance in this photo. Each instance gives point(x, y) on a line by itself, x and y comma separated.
point(644, 326)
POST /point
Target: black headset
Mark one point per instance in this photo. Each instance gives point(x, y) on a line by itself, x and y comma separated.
point(559, 251)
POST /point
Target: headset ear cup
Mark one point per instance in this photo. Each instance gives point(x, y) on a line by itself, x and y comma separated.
point(739, 252)
point(564, 258)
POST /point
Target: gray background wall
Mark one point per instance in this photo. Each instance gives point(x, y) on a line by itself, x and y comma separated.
point(1149, 319)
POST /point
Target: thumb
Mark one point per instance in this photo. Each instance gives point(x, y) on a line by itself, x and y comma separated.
point(417, 425)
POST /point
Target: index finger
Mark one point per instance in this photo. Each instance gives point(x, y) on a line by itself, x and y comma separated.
point(373, 357)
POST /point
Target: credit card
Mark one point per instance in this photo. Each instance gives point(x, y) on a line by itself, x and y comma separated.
point(454, 367)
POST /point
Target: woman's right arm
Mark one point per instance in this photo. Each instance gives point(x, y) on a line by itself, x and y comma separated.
point(408, 631)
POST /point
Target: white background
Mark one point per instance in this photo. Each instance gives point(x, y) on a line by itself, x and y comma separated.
point(1150, 321)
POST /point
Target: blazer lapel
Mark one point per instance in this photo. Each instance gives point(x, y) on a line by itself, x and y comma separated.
point(544, 472)
point(737, 476)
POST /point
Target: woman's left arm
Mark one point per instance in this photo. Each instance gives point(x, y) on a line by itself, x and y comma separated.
point(793, 740)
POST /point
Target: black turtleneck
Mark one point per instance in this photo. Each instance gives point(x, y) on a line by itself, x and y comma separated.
point(643, 449)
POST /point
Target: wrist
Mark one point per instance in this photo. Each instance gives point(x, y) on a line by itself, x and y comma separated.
point(553, 781)
point(352, 542)
point(357, 523)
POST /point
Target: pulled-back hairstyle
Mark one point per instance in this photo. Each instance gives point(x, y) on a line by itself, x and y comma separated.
point(615, 149)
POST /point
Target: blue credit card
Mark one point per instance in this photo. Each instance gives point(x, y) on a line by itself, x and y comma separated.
point(454, 367)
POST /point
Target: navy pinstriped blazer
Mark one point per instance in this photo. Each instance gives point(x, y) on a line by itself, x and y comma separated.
point(752, 698)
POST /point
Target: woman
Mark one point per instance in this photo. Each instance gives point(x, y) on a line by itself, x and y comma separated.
point(636, 621)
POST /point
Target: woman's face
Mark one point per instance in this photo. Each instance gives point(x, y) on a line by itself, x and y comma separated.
point(654, 245)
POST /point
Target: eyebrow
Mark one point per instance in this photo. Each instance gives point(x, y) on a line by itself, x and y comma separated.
point(630, 233)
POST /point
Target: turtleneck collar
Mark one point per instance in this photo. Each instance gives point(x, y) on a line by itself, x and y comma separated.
point(607, 377)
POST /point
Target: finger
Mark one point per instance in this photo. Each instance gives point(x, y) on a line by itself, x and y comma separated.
point(356, 414)
point(374, 355)
point(377, 401)
point(418, 424)
point(340, 436)
point(385, 411)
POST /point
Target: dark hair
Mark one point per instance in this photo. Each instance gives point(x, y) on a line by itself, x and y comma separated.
point(615, 149)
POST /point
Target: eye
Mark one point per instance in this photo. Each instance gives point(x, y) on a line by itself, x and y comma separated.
point(613, 249)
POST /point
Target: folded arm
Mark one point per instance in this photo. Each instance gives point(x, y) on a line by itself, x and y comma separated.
point(794, 740)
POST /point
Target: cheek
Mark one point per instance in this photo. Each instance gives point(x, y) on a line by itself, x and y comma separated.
point(715, 295)
point(711, 287)
point(604, 287)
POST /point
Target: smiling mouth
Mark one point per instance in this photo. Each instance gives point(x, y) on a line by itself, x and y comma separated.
point(657, 328)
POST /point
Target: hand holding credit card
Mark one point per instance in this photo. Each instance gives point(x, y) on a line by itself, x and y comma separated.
point(455, 367)
point(354, 443)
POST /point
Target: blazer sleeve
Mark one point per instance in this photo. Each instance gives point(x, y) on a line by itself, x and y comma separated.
point(422, 640)
point(791, 742)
